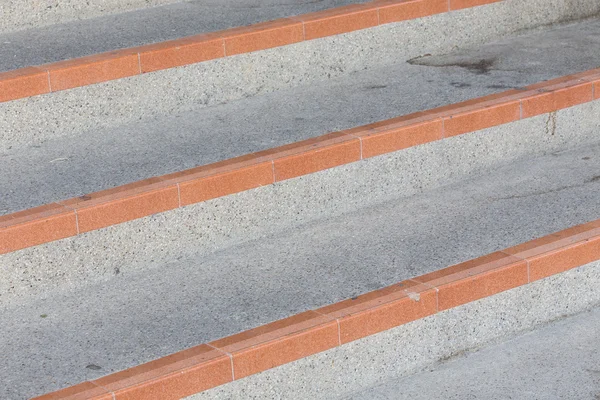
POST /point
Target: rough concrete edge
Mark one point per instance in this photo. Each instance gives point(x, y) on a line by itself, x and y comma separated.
point(217, 224)
point(412, 347)
point(70, 113)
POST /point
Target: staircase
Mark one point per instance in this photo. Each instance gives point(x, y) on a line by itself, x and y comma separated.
point(261, 200)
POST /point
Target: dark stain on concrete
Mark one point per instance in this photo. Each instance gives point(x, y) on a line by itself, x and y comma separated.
point(594, 179)
point(478, 66)
point(499, 86)
point(371, 87)
point(460, 85)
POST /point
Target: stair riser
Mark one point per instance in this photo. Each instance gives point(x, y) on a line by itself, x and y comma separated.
point(219, 223)
point(70, 113)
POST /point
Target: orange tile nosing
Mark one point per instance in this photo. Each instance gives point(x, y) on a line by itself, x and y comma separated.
point(83, 71)
point(209, 365)
point(155, 195)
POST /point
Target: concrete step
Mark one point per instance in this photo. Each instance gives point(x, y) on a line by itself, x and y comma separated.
point(58, 168)
point(67, 336)
point(522, 367)
point(163, 218)
point(189, 75)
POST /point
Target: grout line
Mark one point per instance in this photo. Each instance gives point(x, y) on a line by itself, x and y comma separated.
point(139, 62)
point(449, 6)
point(49, 83)
point(112, 393)
point(443, 127)
point(526, 260)
point(360, 141)
point(76, 220)
point(230, 358)
point(179, 195)
point(520, 109)
point(273, 167)
point(378, 19)
point(303, 31)
point(224, 48)
point(339, 329)
point(437, 291)
point(76, 216)
point(361, 148)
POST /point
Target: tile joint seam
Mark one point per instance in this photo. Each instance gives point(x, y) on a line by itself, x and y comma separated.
point(437, 291)
point(337, 320)
point(49, 82)
point(527, 260)
point(230, 359)
point(77, 222)
point(112, 393)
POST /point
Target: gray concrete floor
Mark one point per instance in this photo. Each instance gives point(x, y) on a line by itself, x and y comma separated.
point(53, 340)
point(558, 361)
point(103, 158)
point(80, 38)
